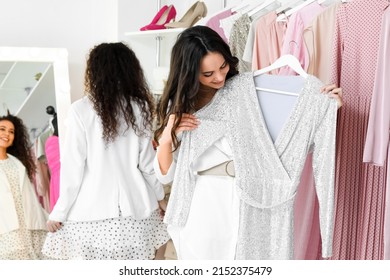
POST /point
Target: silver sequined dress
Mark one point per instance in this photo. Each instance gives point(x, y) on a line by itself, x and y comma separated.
point(267, 173)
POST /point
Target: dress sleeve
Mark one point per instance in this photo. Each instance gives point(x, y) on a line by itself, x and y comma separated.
point(72, 166)
point(324, 169)
point(167, 178)
point(377, 141)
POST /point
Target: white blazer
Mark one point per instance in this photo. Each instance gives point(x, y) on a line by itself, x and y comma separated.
point(95, 179)
point(35, 216)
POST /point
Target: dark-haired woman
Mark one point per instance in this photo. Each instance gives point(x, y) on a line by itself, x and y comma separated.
point(22, 219)
point(109, 200)
point(203, 213)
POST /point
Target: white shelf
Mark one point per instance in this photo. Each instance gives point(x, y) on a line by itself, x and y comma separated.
point(155, 33)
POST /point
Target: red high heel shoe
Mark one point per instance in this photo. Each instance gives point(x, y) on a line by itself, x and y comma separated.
point(156, 17)
point(161, 18)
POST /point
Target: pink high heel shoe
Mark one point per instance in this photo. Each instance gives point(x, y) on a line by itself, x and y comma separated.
point(156, 17)
point(164, 16)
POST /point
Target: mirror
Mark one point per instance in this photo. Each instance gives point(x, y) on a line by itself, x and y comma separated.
point(31, 79)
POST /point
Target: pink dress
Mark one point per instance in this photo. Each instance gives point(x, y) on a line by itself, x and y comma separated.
point(52, 147)
point(268, 41)
point(359, 187)
point(377, 142)
point(293, 42)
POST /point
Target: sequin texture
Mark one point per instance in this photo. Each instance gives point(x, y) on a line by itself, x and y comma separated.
point(267, 173)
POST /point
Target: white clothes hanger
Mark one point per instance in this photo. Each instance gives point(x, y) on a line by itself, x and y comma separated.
point(293, 10)
point(259, 8)
point(289, 4)
point(252, 6)
point(285, 60)
point(242, 5)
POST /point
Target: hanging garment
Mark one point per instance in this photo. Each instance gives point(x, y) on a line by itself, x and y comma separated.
point(42, 180)
point(248, 52)
point(293, 42)
point(52, 147)
point(227, 23)
point(318, 38)
point(266, 173)
point(360, 187)
point(376, 148)
point(268, 41)
point(238, 37)
point(42, 176)
point(307, 237)
point(214, 24)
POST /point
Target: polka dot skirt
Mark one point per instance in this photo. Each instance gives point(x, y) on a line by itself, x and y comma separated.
point(122, 238)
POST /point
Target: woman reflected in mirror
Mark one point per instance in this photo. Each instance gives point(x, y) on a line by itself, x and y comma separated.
point(22, 219)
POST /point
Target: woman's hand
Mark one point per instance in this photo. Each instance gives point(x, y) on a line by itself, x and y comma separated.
point(334, 92)
point(188, 122)
point(53, 226)
point(162, 204)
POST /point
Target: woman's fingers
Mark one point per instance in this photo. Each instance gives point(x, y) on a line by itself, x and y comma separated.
point(53, 226)
point(188, 122)
point(334, 92)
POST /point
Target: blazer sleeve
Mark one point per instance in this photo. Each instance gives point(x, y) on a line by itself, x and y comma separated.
point(145, 165)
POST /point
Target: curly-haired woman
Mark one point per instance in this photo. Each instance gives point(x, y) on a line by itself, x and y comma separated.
point(109, 200)
point(22, 219)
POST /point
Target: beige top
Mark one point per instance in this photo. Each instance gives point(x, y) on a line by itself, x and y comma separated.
point(317, 37)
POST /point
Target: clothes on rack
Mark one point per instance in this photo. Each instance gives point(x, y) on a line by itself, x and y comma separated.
point(350, 62)
point(293, 42)
point(42, 176)
point(377, 142)
point(360, 187)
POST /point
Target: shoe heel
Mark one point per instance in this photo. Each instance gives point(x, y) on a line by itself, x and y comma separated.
point(166, 16)
point(195, 13)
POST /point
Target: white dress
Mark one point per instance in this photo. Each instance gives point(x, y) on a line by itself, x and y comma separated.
point(206, 236)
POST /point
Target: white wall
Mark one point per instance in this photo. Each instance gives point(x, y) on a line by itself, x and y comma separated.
point(76, 25)
point(132, 15)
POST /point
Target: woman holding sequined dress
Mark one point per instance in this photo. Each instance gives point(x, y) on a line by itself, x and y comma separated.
point(203, 219)
point(22, 219)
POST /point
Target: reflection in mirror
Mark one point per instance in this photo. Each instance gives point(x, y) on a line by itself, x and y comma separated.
point(31, 79)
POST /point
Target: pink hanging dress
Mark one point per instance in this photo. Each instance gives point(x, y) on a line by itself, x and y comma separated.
point(52, 148)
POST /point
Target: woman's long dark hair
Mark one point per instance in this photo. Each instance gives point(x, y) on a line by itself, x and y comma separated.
point(180, 92)
point(21, 146)
point(113, 80)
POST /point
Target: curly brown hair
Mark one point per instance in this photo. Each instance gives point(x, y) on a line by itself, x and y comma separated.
point(113, 80)
point(21, 146)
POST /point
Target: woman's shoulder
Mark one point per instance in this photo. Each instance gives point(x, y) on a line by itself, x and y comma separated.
point(81, 104)
point(16, 161)
point(239, 78)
